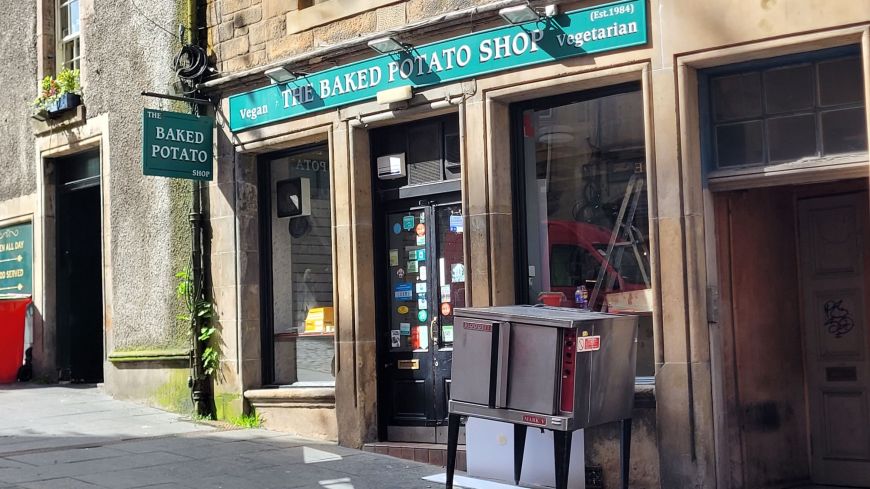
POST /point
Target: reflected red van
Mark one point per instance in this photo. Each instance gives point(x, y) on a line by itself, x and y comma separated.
point(577, 253)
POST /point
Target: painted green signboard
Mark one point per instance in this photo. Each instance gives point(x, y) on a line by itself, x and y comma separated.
point(177, 145)
point(16, 259)
point(580, 32)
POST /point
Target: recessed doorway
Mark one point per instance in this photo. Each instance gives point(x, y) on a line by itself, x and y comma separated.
point(420, 267)
point(79, 270)
point(795, 278)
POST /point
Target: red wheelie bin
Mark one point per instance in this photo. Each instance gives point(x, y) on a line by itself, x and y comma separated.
point(13, 315)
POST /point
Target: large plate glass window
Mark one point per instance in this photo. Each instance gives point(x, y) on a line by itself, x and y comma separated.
point(784, 110)
point(582, 184)
point(298, 265)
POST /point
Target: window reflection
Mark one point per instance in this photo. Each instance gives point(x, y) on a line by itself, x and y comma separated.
point(586, 200)
point(586, 216)
point(302, 285)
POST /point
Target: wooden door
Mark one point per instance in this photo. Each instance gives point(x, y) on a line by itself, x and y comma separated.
point(833, 236)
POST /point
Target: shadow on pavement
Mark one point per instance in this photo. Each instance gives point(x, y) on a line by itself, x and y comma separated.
point(75, 437)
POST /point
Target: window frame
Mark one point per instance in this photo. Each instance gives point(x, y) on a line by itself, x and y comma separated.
point(62, 41)
point(267, 313)
point(709, 163)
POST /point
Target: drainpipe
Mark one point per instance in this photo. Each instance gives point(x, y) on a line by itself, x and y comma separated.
point(200, 383)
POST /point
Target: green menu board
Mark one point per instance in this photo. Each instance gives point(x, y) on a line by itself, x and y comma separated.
point(16, 259)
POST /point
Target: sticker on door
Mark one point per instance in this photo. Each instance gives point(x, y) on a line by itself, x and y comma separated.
point(456, 225)
point(408, 223)
point(457, 273)
point(404, 291)
point(447, 333)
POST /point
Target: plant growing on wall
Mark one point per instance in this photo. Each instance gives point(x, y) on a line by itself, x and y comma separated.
point(59, 93)
point(199, 314)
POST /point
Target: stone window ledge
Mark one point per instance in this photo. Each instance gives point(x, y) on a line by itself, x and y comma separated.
point(645, 396)
point(307, 397)
point(149, 356)
point(65, 121)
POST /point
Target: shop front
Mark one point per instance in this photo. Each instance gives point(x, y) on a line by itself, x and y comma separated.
point(642, 165)
point(387, 234)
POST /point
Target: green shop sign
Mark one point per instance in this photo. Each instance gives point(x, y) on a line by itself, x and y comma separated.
point(177, 145)
point(16, 259)
point(590, 30)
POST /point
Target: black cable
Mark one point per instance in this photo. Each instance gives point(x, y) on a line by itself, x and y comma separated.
point(190, 63)
point(149, 19)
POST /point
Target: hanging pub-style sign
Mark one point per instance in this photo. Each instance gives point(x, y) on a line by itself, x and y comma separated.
point(177, 145)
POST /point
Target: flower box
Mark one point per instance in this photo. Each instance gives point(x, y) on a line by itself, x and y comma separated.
point(58, 94)
point(63, 103)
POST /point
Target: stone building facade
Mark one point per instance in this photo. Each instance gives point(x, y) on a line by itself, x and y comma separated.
point(702, 165)
point(106, 241)
point(688, 120)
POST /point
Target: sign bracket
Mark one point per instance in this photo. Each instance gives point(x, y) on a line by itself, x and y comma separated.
point(180, 98)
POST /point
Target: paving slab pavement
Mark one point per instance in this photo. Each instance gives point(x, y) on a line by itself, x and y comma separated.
point(76, 437)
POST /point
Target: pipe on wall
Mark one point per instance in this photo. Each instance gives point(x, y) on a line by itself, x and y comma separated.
point(361, 41)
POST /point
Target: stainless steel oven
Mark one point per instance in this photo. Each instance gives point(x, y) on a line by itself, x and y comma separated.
point(556, 368)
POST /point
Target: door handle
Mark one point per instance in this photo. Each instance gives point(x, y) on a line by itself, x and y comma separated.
point(434, 327)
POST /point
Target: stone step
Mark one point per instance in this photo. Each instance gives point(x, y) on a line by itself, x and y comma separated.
point(427, 453)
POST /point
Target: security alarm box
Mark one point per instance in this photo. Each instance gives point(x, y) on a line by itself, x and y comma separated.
point(391, 166)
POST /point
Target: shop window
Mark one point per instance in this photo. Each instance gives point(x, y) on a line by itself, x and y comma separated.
point(784, 110)
point(582, 205)
point(68, 23)
point(296, 217)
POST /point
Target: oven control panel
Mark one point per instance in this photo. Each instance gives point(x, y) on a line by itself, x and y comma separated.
point(569, 349)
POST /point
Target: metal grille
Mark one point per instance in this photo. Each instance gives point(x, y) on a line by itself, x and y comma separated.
point(424, 154)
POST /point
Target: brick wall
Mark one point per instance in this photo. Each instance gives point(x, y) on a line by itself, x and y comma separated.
point(244, 34)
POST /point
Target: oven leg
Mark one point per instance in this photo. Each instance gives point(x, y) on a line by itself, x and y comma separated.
point(562, 454)
point(452, 442)
point(519, 447)
point(625, 448)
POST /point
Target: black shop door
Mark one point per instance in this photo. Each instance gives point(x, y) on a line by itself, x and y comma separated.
point(79, 271)
point(425, 271)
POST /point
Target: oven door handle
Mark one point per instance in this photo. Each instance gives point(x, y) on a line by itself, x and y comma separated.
point(503, 344)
